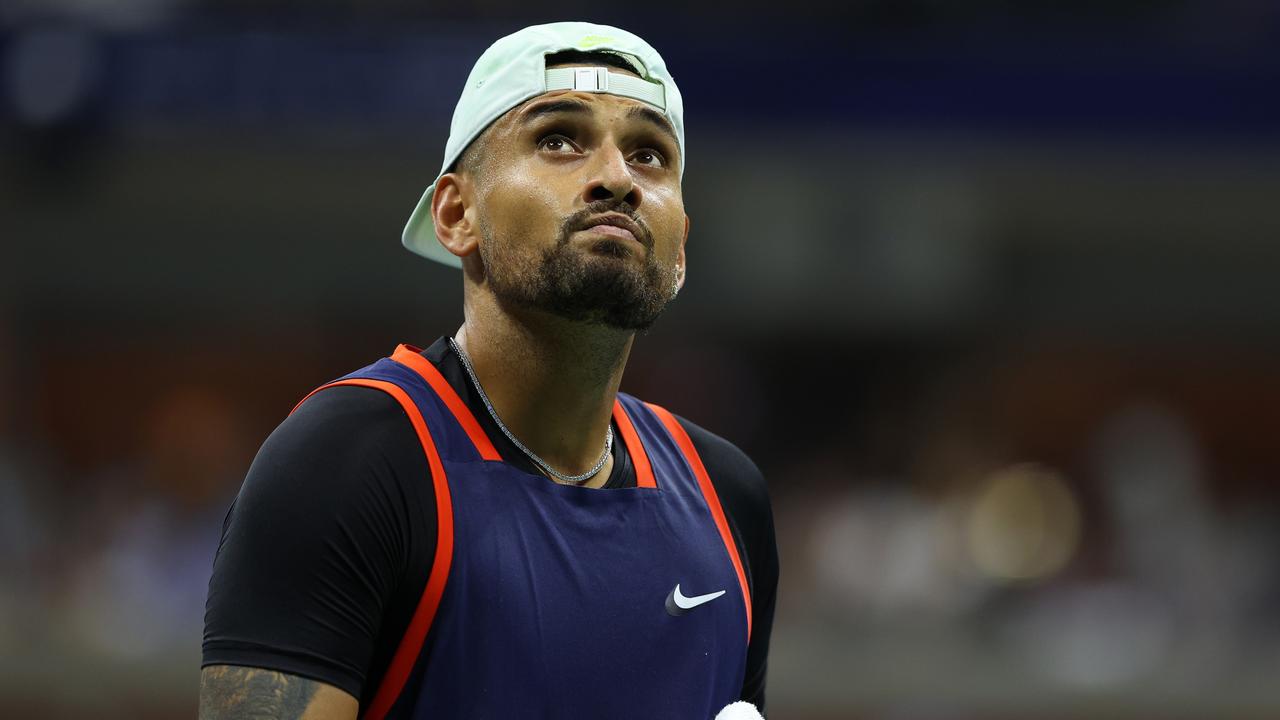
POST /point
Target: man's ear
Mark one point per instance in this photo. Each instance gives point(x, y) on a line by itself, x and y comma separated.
point(680, 260)
point(453, 216)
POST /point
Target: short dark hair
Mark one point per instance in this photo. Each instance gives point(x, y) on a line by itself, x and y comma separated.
point(469, 161)
point(597, 57)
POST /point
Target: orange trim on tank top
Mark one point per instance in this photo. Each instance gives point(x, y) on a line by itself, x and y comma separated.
point(411, 357)
point(393, 681)
point(709, 494)
point(639, 458)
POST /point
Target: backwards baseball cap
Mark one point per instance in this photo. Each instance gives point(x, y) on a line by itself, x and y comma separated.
point(514, 69)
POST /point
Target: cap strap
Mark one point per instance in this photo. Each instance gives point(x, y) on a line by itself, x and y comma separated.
point(599, 79)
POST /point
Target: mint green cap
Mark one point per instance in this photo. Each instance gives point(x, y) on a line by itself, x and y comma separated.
point(514, 70)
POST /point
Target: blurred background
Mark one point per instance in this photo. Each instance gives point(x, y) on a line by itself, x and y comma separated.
point(990, 290)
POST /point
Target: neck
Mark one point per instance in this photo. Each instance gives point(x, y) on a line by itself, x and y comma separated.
point(552, 382)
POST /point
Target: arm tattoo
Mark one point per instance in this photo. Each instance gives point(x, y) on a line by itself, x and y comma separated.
point(228, 692)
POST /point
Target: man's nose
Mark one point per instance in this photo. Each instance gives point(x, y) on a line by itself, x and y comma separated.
point(611, 177)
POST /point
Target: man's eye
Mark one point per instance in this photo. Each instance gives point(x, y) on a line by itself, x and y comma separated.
point(556, 144)
point(650, 157)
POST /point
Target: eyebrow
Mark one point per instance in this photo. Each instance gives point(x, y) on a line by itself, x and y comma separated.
point(537, 110)
point(644, 112)
point(577, 107)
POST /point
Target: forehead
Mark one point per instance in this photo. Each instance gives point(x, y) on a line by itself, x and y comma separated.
point(596, 105)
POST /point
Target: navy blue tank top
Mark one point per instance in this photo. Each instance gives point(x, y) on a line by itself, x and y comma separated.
point(553, 601)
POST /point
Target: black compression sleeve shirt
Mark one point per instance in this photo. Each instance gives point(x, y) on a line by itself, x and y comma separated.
point(326, 550)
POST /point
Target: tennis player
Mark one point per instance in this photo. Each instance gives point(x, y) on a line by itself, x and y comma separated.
point(488, 528)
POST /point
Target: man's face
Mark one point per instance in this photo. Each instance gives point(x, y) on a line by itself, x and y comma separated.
point(553, 169)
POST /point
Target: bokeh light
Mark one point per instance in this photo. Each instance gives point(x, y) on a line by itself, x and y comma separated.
point(1024, 524)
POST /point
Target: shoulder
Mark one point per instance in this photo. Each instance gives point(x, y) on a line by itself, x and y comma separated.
point(352, 415)
point(729, 468)
point(338, 442)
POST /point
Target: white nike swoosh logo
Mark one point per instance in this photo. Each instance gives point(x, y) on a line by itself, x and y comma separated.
point(678, 604)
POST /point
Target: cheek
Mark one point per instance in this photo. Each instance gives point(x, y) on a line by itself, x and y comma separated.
point(516, 204)
point(667, 220)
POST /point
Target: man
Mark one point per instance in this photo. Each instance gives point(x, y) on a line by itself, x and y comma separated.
point(455, 532)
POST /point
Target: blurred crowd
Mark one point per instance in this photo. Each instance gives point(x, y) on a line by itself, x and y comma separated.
point(1030, 534)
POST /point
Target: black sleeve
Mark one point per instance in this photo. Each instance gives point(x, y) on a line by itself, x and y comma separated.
point(744, 497)
point(316, 554)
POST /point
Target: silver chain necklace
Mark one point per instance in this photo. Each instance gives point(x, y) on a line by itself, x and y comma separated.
point(570, 479)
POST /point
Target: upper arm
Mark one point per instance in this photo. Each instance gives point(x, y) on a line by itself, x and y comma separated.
point(315, 553)
point(229, 692)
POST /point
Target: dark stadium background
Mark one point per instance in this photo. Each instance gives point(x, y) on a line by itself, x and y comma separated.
point(990, 290)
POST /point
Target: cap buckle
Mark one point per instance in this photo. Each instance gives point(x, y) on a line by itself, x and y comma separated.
point(591, 79)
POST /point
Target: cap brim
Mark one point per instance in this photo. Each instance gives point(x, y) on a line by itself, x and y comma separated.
point(420, 234)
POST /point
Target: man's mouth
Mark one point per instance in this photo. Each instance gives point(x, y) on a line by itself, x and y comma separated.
point(615, 225)
point(613, 231)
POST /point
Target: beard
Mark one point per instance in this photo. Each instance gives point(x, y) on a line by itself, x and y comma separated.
point(595, 285)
